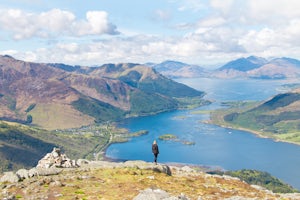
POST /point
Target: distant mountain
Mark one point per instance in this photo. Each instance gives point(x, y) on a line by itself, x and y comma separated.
point(286, 61)
point(255, 67)
point(244, 64)
point(174, 69)
point(63, 96)
point(250, 67)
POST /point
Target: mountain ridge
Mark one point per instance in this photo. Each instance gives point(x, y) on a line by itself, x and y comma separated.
point(249, 67)
point(175, 69)
point(110, 87)
point(255, 67)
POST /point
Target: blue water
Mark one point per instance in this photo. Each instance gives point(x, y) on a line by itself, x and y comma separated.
point(214, 146)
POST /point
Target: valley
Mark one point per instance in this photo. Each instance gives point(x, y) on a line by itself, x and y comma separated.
point(57, 96)
point(47, 105)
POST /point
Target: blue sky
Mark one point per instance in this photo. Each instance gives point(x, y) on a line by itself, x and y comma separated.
point(95, 32)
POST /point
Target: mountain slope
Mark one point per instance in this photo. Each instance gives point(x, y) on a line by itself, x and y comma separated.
point(174, 69)
point(255, 67)
point(23, 146)
point(278, 117)
point(61, 96)
point(244, 64)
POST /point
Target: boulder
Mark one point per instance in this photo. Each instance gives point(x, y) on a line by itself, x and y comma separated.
point(163, 169)
point(146, 165)
point(32, 172)
point(10, 177)
point(47, 171)
point(81, 162)
point(152, 194)
point(158, 194)
point(187, 169)
point(23, 173)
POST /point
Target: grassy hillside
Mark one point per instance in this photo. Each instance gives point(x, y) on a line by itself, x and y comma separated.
point(24, 146)
point(101, 111)
point(278, 117)
point(263, 179)
point(145, 103)
point(168, 87)
point(58, 96)
point(58, 116)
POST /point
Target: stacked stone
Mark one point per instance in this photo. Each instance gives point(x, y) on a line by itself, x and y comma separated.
point(56, 159)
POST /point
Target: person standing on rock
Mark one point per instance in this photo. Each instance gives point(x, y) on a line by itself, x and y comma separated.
point(155, 151)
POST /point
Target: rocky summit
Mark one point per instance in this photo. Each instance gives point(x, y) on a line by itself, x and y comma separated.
point(56, 177)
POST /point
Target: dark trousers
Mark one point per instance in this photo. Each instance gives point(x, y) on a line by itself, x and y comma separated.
point(155, 157)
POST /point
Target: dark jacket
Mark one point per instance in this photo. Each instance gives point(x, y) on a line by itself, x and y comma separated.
point(155, 149)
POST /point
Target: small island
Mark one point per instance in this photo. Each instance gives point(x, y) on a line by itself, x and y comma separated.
point(168, 137)
point(174, 138)
point(139, 133)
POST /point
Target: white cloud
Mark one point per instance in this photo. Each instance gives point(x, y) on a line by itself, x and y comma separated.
point(56, 22)
point(272, 10)
point(161, 15)
point(69, 47)
point(189, 5)
point(96, 23)
point(212, 22)
point(225, 30)
point(224, 6)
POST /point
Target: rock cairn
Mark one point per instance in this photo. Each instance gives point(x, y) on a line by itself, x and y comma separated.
point(49, 165)
point(56, 159)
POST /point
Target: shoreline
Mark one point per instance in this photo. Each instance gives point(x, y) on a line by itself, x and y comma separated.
point(254, 132)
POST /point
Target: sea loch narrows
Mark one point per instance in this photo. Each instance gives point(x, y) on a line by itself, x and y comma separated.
point(212, 145)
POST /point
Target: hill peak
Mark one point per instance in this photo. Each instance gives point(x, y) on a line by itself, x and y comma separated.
point(127, 180)
point(81, 94)
point(257, 60)
point(243, 64)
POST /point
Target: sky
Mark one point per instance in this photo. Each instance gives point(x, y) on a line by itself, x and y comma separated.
point(201, 32)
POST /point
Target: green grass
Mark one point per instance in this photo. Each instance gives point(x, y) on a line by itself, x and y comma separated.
point(263, 179)
point(101, 111)
point(22, 146)
point(58, 116)
point(144, 103)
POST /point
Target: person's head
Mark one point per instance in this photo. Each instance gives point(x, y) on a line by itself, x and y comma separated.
point(154, 142)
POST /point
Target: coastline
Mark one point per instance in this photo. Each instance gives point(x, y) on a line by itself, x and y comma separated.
point(257, 133)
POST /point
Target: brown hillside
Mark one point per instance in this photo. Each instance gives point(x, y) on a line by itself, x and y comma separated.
point(96, 94)
point(107, 90)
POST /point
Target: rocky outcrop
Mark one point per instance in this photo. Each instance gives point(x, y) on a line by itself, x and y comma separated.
point(138, 164)
point(10, 177)
point(56, 159)
point(138, 180)
point(51, 164)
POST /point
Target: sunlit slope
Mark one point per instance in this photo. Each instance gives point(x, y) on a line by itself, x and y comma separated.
point(278, 117)
point(58, 96)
